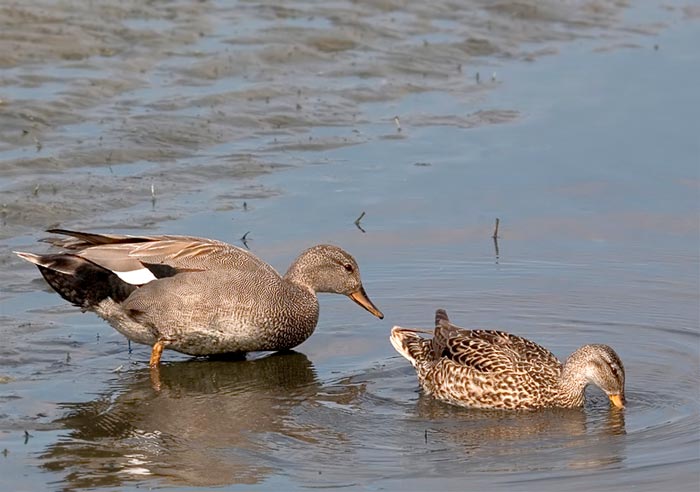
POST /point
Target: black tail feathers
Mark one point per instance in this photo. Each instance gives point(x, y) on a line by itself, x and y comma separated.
point(81, 281)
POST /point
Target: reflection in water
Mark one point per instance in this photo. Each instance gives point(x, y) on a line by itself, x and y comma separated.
point(207, 423)
point(572, 438)
point(495, 239)
point(215, 423)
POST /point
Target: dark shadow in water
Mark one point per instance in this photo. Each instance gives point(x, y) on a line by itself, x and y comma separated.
point(206, 423)
point(581, 438)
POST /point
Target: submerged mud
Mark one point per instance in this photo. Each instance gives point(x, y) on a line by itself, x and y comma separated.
point(100, 102)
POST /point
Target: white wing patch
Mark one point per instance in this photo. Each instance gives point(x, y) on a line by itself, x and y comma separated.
point(136, 277)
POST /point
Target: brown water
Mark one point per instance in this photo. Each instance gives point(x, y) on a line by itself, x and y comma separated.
point(580, 133)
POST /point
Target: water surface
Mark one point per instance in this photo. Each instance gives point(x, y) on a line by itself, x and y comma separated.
point(579, 133)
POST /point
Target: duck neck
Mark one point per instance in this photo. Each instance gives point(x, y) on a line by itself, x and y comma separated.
point(297, 282)
point(301, 314)
point(574, 379)
point(298, 275)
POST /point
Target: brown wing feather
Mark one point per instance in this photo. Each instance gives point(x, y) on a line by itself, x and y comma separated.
point(481, 350)
point(81, 240)
point(191, 253)
point(124, 253)
point(490, 350)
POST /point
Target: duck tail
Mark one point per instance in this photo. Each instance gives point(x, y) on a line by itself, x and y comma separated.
point(441, 318)
point(407, 342)
point(79, 281)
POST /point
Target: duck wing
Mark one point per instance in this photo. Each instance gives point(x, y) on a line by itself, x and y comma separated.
point(140, 259)
point(488, 350)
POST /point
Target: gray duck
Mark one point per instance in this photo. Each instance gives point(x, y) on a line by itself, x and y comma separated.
point(194, 295)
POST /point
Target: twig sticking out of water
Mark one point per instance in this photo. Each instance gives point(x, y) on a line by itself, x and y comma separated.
point(244, 239)
point(357, 222)
point(495, 239)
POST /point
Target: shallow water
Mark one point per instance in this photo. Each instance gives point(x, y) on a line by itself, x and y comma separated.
point(212, 121)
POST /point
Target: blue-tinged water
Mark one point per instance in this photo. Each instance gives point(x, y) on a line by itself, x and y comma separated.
point(588, 155)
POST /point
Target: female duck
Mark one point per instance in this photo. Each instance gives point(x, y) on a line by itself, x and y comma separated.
point(197, 296)
point(494, 369)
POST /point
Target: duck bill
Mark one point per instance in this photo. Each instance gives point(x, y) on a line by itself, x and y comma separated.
point(360, 297)
point(617, 400)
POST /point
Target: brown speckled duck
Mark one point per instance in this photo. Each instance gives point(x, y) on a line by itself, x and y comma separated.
point(494, 369)
point(197, 296)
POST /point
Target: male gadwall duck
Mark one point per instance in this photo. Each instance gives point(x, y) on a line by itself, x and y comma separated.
point(494, 369)
point(197, 296)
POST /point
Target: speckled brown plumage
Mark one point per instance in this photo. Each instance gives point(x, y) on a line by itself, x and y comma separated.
point(494, 369)
point(197, 296)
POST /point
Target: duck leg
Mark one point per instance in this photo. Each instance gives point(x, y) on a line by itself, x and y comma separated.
point(155, 378)
point(156, 352)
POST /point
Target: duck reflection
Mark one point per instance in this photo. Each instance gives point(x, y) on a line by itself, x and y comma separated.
point(201, 423)
point(538, 440)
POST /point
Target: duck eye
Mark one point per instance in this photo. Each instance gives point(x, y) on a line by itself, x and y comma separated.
point(348, 267)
